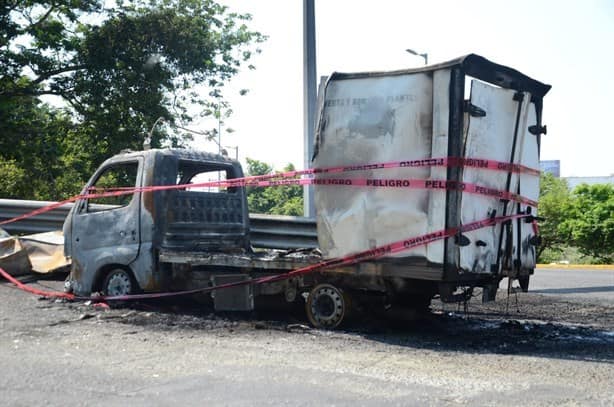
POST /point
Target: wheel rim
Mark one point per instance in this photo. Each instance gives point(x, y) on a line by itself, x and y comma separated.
point(326, 306)
point(119, 283)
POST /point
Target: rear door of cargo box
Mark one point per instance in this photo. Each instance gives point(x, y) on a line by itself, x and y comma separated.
point(528, 187)
point(497, 130)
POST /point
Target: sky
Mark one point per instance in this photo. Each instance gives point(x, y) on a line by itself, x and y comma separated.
point(567, 44)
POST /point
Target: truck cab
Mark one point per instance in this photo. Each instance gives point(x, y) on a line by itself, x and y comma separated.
point(114, 241)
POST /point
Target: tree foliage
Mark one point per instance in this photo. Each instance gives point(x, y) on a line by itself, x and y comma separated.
point(590, 221)
point(554, 200)
point(582, 218)
point(286, 200)
point(118, 69)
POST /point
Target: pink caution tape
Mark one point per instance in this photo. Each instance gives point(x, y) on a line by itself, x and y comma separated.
point(289, 178)
point(395, 183)
point(391, 248)
point(35, 291)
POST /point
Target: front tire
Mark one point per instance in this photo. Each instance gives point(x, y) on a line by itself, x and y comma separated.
point(118, 283)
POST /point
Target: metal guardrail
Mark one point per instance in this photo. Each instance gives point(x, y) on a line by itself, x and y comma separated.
point(45, 222)
point(267, 231)
point(282, 232)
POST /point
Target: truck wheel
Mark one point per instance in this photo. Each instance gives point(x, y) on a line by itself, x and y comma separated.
point(327, 306)
point(118, 282)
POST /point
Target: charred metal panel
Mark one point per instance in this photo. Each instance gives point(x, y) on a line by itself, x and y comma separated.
point(46, 251)
point(131, 234)
point(475, 66)
point(204, 221)
point(493, 137)
point(357, 108)
point(269, 260)
point(455, 140)
point(13, 256)
point(373, 120)
point(207, 219)
point(110, 234)
point(524, 253)
point(239, 298)
point(439, 148)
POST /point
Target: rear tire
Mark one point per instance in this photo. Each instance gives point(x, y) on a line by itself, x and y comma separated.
point(327, 306)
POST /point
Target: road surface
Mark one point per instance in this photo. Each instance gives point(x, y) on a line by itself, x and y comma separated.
point(584, 285)
point(547, 350)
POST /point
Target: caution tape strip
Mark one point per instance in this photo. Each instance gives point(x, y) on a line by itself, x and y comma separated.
point(396, 183)
point(388, 249)
point(478, 163)
point(356, 182)
point(286, 179)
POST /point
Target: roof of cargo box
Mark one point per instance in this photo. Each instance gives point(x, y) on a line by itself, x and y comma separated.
point(472, 65)
point(179, 153)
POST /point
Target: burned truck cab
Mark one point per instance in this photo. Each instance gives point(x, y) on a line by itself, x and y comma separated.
point(114, 241)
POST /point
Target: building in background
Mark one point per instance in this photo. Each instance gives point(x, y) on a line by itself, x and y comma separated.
point(551, 166)
point(575, 181)
point(554, 168)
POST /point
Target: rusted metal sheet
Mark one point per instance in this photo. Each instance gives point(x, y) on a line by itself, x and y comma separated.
point(46, 252)
point(13, 256)
point(270, 260)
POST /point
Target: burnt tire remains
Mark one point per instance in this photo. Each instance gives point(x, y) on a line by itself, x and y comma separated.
point(327, 306)
point(118, 282)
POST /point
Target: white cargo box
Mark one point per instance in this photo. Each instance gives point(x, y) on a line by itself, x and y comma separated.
point(369, 118)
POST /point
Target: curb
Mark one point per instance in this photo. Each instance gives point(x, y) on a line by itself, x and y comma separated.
point(576, 266)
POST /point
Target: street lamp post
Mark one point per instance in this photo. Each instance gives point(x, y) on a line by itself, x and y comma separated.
point(236, 148)
point(147, 142)
point(424, 55)
point(309, 97)
point(219, 132)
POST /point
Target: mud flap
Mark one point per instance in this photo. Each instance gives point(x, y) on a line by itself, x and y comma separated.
point(239, 298)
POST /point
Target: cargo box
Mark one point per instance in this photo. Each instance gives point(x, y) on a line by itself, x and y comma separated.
point(468, 108)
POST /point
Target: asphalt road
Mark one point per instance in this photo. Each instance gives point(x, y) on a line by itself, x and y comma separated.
point(585, 285)
point(554, 348)
point(57, 353)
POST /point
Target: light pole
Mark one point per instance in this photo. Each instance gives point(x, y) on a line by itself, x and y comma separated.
point(236, 148)
point(147, 142)
point(309, 97)
point(424, 55)
point(219, 131)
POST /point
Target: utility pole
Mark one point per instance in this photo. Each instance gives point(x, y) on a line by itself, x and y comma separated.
point(309, 96)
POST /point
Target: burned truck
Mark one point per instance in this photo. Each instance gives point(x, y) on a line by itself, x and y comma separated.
point(442, 121)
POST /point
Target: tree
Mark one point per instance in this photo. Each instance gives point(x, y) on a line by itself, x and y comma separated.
point(284, 200)
point(118, 69)
point(36, 143)
point(590, 221)
point(554, 201)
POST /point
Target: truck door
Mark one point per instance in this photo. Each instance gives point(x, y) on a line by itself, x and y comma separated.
point(106, 230)
point(523, 252)
point(497, 119)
